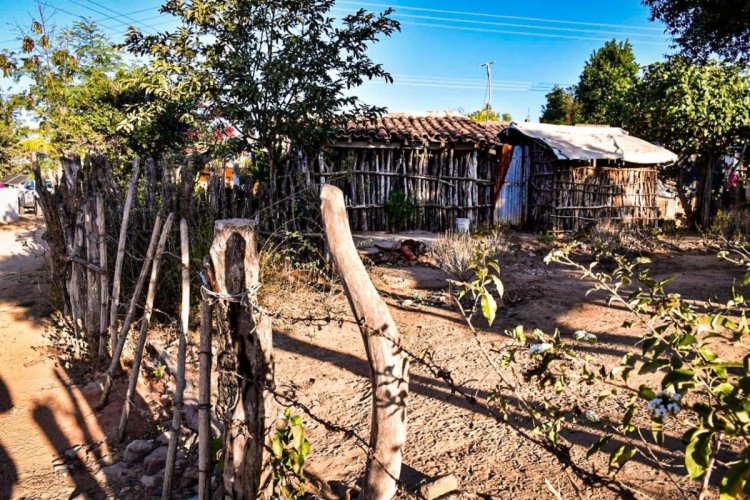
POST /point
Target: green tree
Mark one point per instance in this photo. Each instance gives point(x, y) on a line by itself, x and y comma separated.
point(488, 114)
point(707, 27)
point(484, 115)
point(561, 108)
point(607, 79)
point(82, 93)
point(8, 147)
point(694, 110)
point(278, 71)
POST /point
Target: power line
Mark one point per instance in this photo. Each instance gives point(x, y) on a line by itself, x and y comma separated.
point(516, 25)
point(98, 11)
point(119, 14)
point(634, 36)
point(498, 16)
point(522, 33)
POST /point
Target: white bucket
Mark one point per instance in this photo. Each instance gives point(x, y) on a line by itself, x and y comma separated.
point(462, 225)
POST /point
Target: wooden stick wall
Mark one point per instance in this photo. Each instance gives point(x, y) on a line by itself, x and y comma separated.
point(566, 196)
point(444, 183)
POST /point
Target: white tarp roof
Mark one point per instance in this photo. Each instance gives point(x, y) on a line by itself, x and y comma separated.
point(595, 143)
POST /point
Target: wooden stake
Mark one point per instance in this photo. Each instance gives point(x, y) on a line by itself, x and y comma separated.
point(103, 276)
point(145, 322)
point(115, 362)
point(204, 391)
point(177, 409)
point(120, 258)
point(388, 363)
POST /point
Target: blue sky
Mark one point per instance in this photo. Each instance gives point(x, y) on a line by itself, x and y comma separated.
point(436, 58)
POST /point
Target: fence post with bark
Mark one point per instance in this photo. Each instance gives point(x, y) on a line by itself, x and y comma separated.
point(246, 368)
point(388, 363)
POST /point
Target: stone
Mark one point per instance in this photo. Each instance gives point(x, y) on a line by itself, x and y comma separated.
point(115, 472)
point(156, 460)
point(164, 437)
point(439, 487)
point(151, 482)
point(138, 449)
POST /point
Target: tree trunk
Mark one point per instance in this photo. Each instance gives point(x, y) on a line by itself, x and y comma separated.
point(177, 408)
point(145, 322)
point(707, 197)
point(687, 207)
point(247, 472)
point(388, 363)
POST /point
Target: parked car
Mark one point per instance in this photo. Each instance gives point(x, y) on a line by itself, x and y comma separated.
point(28, 197)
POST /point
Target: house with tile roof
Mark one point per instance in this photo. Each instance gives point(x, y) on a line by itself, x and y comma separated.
point(444, 163)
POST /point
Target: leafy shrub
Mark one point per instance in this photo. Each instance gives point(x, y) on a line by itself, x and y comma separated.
point(400, 209)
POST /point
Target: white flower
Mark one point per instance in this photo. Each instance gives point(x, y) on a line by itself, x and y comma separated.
point(585, 336)
point(677, 397)
point(673, 408)
point(540, 348)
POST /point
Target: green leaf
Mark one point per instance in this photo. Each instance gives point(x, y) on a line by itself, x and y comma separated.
point(745, 279)
point(697, 453)
point(657, 431)
point(598, 445)
point(298, 437)
point(733, 482)
point(678, 377)
point(277, 446)
point(646, 393)
point(498, 285)
point(621, 456)
point(489, 307)
point(653, 366)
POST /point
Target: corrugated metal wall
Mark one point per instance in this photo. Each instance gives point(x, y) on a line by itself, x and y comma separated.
point(510, 206)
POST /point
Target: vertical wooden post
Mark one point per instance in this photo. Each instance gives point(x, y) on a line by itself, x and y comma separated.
point(247, 472)
point(177, 408)
point(204, 393)
point(145, 321)
point(103, 277)
point(115, 361)
point(120, 258)
point(388, 363)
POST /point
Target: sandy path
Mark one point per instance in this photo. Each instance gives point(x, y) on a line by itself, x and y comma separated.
point(42, 416)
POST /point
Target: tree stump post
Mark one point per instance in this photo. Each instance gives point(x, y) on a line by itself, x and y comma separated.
point(247, 369)
point(388, 363)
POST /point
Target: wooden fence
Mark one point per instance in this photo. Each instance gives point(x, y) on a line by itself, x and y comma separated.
point(443, 183)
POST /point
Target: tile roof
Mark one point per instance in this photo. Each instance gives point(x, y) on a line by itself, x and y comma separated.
point(432, 127)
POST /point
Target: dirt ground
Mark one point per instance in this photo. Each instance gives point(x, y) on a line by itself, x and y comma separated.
point(44, 415)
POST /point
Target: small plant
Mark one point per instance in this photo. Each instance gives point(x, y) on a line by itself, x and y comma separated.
point(290, 447)
point(400, 209)
point(159, 372)
point(548, 239)
point(455, 253)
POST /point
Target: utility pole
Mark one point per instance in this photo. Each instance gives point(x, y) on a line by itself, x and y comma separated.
point(488, 92)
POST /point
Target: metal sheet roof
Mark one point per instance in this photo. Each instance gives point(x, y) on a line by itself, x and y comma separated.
point(14, 179)
point(593, 143)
